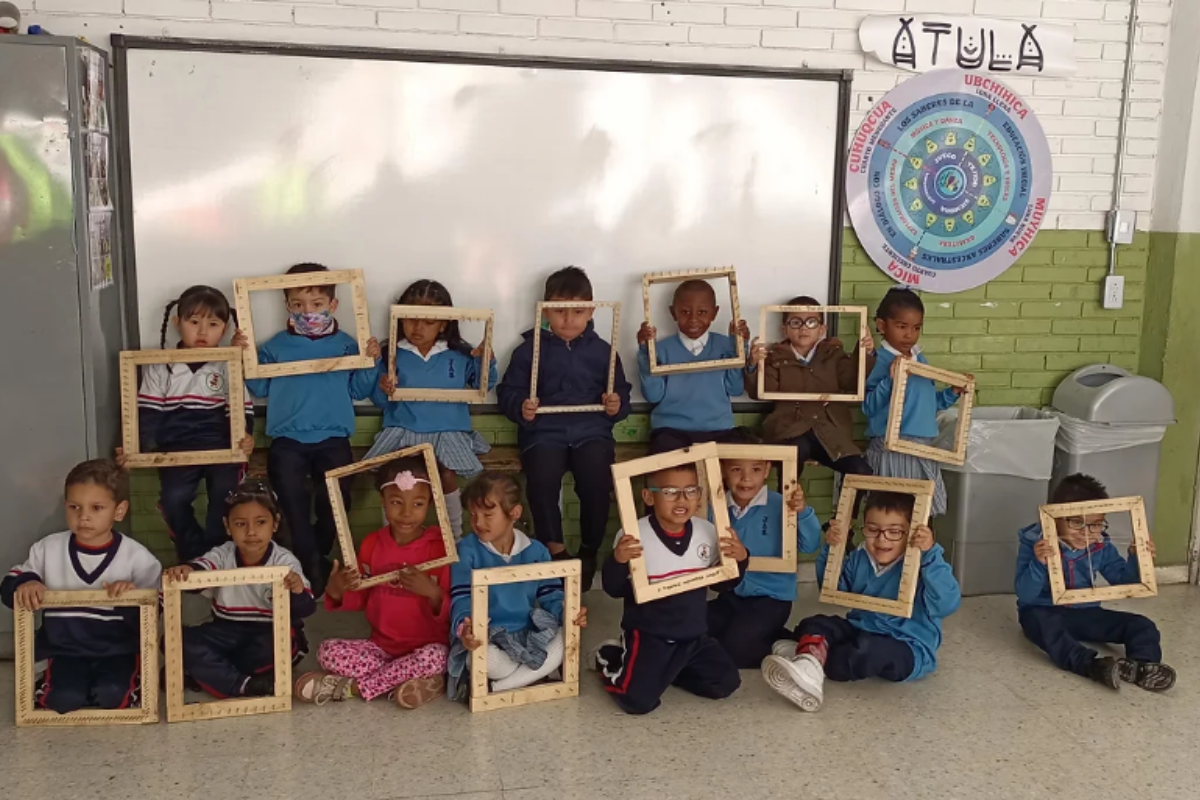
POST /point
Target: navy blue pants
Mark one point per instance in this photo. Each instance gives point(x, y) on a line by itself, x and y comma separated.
point(178, 493)
point(664, 440)
point(71, 683)
point(221, 656)
point(809, 448)
point(590, 463)
point(297, 473)
point(638, 672)
point(856, 655)
point(1059, 630)
point(747, 626)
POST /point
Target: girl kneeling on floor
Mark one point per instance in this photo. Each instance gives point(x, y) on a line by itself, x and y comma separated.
point(405, 658)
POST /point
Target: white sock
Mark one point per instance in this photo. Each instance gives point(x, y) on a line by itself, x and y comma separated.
point(454, 512)
point(499, 664)
point(524, 676)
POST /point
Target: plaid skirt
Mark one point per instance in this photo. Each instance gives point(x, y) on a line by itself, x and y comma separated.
point(457, 451)
point(902, 465)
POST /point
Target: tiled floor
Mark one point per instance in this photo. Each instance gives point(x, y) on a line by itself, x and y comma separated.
point(995, 721)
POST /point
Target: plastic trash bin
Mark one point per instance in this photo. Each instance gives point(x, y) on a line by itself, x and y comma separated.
point(1112, 425)
point(995, 493)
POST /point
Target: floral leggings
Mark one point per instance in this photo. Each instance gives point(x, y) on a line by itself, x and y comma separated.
point(376, 671)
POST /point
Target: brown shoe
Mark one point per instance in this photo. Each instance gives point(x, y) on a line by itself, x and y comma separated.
point(321, 687)
point(419, 691)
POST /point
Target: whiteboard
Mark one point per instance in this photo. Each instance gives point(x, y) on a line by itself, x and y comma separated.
point(485, 175)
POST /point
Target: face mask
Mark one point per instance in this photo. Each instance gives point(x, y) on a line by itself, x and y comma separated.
point(314, 324)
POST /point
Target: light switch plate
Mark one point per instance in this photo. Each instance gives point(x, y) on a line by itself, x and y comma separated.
point(1122, 225)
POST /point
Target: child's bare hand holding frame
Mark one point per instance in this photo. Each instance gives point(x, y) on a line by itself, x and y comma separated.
point(835, 534)
point(739, 328)
point(466, 632)
point(627, 548)
point(922, 538)
point(795, 500)
point(612, 404)
point(732, 547)
point(29, 596)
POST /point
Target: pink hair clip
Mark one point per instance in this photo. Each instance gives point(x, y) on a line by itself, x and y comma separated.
point(406, 481)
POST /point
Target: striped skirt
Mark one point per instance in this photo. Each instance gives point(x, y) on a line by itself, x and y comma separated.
point(457, 451)
point(902, 465)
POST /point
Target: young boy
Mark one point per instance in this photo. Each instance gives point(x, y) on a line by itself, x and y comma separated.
point(310, 417)
point(1085, 549)
point(665, 642)
point(870, 644)
point(93, 652)
point(691, 407)
point(748, 620)
point(233, 655)
point(572, 370)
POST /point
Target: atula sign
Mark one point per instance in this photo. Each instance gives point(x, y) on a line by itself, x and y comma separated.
point(975, 44)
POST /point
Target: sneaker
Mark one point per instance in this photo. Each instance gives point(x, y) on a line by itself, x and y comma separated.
point(321, 687)
point(261, 685)
point(784, 648)
point(587, 570)
point(419, 691)
point(593, 657)
point(1153, 677)
point(800, 679)
point(1107, 671)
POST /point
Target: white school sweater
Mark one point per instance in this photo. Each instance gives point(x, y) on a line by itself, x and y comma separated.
point(252, 602)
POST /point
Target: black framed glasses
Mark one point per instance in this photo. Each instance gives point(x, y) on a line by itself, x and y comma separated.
point(796, 323)
point(673, 492)
point(889, 534)
point(1095, 528)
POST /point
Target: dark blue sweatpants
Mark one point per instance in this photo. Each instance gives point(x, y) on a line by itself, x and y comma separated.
point(178, 487)
point(221, 656)
point(1059, 630)
point(854, 654)
point(71, 683)
point(637, 672)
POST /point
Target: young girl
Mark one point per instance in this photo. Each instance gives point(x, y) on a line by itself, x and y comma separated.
point(405, 657)
point(899, 319)
point(234, 654)
point(525, 639)
point(184, 407)
point(431, 354)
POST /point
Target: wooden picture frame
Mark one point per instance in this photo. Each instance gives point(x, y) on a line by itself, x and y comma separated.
point(180, 711)
point(902, 606)
point(788, 462)
point(130, 360)
point(729, 273)
point(708, 467)
point(892, 440)
point(569, 571)
point(1059, 593)
point(28, 716)
point(537, 351)
point(242, 287)
point(803, 397)
point(342, 521)
point(441, 314)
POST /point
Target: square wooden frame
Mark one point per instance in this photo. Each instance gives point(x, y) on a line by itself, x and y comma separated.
point(177, 709)
point(787, 459)
point(242, 287)
point(130, 438)
point(481, 579)
point(902, 606)
point(802, 397)
point(23, 637)
point(342, 521)
point(441, 314)
point(651, 278)
point(892, 440)
point(1059, 593)
point(537, 351)
point(708, 465)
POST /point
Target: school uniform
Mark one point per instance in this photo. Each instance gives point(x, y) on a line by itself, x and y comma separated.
point(665, 642)
point(509, 604)
point(690, 407)
point(94, 652)
point(1060, 630)
point(239, 642)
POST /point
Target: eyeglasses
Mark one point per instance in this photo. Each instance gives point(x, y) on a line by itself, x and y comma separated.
point(795, 323)
point(673, 492)
point(1078, 524)
point(890, 534)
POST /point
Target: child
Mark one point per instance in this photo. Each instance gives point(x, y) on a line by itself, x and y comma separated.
point(573, 370)
point(234, 654)
point(806, 361)
point(665, 642)
point(310, 417)
point(870, 644)
point(525, 638)
point(1085, 549)
point(94, 653)
point(409, 616)
point(748, 620)
point(691, 407)
point(184, 407)
point(899, 319)
point(431, 354)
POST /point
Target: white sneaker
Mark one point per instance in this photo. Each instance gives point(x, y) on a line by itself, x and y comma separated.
point(784, 648)
point(800, 679)
point(592, 661)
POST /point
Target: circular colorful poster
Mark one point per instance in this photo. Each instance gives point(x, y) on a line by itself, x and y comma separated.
point(948, 180)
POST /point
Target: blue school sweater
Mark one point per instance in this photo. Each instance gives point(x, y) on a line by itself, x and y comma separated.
point(758, 528)
point(1032, 581)
point(922, 400)
point(318, 406)
point(691, 401)
point(447, 369)
point(937, 596)
point(509, 604)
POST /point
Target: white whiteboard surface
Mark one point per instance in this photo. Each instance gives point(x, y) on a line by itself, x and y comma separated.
point(484, 177)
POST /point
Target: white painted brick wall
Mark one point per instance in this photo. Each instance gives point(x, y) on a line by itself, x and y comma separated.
point(1078, 113)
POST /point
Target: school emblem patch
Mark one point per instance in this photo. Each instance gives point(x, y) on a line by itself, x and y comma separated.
point(704, 551)
point(215, 381)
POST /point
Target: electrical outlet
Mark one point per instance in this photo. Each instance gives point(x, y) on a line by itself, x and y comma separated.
point(1114, 291)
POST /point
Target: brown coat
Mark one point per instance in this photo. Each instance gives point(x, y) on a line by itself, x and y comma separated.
point(832, 370)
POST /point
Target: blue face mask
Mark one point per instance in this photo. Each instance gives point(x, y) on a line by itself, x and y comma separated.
point(316, 323)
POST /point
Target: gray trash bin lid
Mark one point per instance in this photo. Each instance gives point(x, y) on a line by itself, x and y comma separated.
point(1109, 394)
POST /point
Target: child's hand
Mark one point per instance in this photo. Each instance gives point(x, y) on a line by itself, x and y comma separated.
point(387, 384)
point(795, 500)
point(626, 549)
point(758, 353)
point(1149, 546)
point(246, 445)
point(240, 340)
point(118, 588)
point(120, 458)
point(581, 617)
point(294, 583)
point(958, 390)
point(529, 410)
point(922, 539)
point(739, 328)
point(612, 404)
point(646, 333)
point(1042, 551)
point(417, 582)
point(29, 596)
point(341, 580)
point(466, 632)
point(177, 574)
point(374, 351)
point(732, 547)
point(867, 342)
point(895, 366)
point(834, 535)
point(478, 351)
